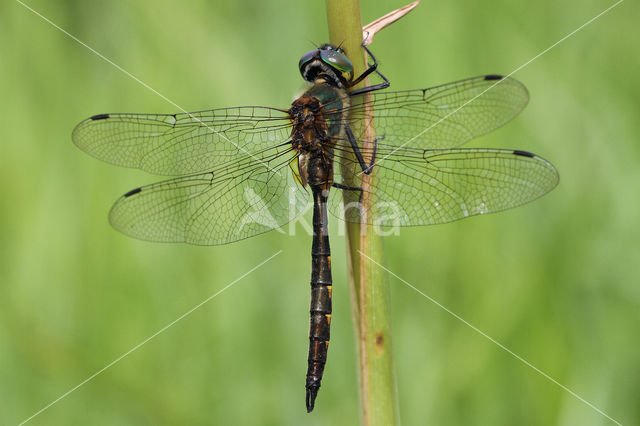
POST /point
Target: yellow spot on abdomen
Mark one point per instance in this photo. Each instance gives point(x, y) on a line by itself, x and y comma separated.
point(328, 317)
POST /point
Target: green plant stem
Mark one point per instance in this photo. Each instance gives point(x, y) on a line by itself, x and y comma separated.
point(368, 284)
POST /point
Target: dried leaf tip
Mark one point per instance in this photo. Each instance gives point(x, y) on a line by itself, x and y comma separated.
point(369, 30)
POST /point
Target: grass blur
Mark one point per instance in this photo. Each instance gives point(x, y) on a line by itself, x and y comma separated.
point(556, 281)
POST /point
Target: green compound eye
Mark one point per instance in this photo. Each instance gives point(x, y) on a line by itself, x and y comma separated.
point(337, 60)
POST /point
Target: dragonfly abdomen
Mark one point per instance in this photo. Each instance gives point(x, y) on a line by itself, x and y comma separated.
point(320, 308)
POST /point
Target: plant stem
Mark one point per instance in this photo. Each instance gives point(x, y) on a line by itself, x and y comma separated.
point(368, 285)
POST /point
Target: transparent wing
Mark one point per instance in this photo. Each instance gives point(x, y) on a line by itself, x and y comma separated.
point(178, 144)
point(426, 187)
point(234, 201)
point(444, 116)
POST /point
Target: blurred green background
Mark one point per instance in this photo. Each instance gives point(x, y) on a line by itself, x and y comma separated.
point(556, 281)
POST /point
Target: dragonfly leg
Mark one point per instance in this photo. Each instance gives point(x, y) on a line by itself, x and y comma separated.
point(372, 67)
point(346, 187)
point(356, 150)
point(350, 205)
point(349, 188)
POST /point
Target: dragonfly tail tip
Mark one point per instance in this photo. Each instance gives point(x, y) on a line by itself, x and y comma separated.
point(311, 398)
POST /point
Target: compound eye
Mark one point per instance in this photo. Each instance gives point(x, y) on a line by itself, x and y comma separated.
point(336, 60)
point(306, 58)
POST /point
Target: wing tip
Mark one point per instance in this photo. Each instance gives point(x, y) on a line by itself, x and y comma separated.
point(77, 133)
point(490, 77)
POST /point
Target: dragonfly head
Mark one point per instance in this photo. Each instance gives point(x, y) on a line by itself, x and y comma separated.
point(327, 63)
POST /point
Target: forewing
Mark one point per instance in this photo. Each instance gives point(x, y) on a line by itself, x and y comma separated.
point(230, 203)
point(427, 187)
point(444, 116)
point(177, 144)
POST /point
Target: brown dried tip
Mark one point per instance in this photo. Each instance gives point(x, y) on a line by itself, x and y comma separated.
point(369, 30)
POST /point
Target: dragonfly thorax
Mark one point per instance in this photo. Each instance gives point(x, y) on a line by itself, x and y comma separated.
point(304, 113)
point(311, 138)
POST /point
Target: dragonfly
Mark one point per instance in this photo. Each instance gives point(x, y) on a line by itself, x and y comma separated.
point(243, 171)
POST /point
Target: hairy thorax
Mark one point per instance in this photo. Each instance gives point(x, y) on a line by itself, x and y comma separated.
point(317, 119)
